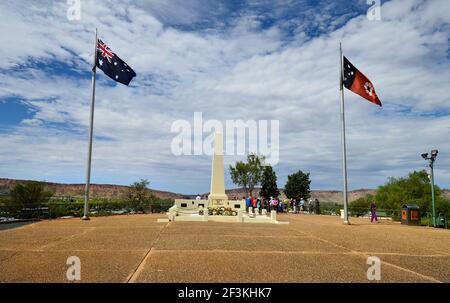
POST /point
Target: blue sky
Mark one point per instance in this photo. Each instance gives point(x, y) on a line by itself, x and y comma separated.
point(255, 59)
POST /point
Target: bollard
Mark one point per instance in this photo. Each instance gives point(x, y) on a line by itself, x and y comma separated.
point(240, 217)
point(273, 215)
point(205, 214)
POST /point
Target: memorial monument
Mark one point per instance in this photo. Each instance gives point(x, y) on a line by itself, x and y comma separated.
point(217, 194)
point(217, 207)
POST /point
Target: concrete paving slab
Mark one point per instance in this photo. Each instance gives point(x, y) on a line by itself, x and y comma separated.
point(5, 255)
point(436, 267)
point(108, 238)
point(310, 249)
point(375, 238)
point(230, 228)
point(262, 267)
point(110, 221)
point(34, 238)
point(97, 266)
point(243, 242)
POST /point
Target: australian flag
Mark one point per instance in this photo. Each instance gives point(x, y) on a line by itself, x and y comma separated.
point(112, 65)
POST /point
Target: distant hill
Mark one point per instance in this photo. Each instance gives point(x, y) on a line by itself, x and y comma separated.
point(77, 190)
point(333, 196)
point(110, 191)
point(446, 193)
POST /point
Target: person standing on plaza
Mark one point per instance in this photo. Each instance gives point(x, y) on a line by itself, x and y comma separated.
point(253, 204)
point(373, 211)
point(317, 206)
point(248, 202)
point(302, 204)
point(311, 206)
point(280, 206)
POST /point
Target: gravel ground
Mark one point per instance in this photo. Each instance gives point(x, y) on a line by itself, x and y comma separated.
point(138, 249)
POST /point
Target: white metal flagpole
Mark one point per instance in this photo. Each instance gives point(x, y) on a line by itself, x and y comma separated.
point(344, 148)
point(91, 131)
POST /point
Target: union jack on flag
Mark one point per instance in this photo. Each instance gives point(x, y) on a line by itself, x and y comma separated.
point(112, 65)
point(105, 51)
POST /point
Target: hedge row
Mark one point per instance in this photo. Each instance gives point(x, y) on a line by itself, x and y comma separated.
point(60, 207)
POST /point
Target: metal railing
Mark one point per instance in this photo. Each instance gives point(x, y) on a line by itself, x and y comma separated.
point(56, 209)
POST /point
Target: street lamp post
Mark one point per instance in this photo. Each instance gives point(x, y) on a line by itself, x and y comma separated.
point(432, 194)
point(432, 158)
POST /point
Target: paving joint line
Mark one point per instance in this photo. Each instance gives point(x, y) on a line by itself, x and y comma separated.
point(132, 278)
point(365, 255)
point(73, 250)
point(403, 254)
point(10, 257)
point(312, 252)
point(71, 237)
point(293, 252)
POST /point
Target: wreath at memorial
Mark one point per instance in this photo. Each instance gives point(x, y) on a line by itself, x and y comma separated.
point(221, 211)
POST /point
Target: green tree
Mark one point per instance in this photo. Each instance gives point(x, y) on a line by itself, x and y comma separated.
point(297, 185)
point(413, 189)
point(361, 205)
point(443, 206)
point(139, 197)
point(248, 174)
point(31, 194)
point(269, 187)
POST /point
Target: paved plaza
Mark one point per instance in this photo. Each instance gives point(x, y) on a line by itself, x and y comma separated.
point(138, 249)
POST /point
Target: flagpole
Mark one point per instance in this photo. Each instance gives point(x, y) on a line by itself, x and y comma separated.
point(344, 148)
point(91, 131)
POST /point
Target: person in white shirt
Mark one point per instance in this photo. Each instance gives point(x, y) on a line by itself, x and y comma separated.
point(198, 197)
point(302, 204)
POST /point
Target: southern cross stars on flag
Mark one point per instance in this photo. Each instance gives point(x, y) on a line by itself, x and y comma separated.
point(112, 65)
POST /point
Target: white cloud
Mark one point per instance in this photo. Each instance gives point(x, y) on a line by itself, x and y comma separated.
point(242, 72)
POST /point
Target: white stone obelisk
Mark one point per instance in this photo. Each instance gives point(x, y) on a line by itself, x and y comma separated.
point(217, 194)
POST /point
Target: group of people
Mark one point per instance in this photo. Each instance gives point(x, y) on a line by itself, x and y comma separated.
point(296, 206)
point(312, 207)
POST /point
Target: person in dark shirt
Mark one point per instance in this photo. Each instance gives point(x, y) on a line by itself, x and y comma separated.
point(373, 211)
point(317, 206)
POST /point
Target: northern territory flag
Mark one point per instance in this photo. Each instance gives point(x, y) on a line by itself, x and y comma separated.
point(112, 65)
point(355, 81)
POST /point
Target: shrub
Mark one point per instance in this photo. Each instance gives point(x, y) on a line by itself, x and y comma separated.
point(413, 189)
point(27, 197)
point(139, 197)
point(360, 206)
